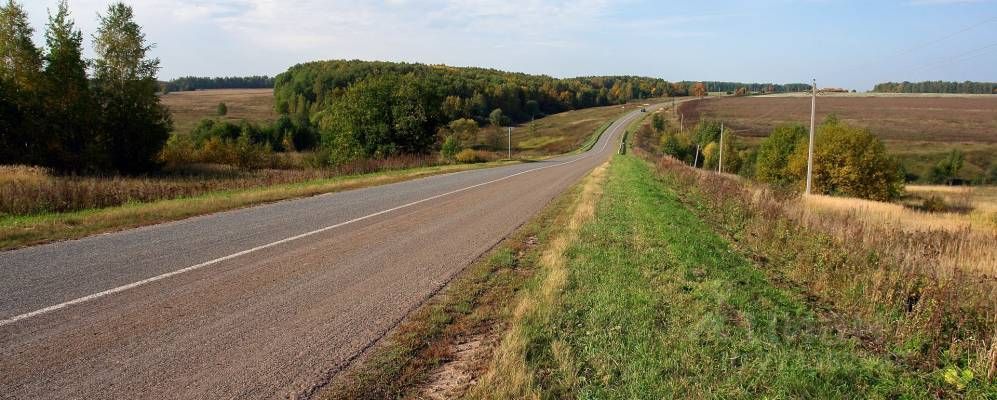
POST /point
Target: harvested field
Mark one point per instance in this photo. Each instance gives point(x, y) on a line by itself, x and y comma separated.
point(190, 107)
point(931, 119)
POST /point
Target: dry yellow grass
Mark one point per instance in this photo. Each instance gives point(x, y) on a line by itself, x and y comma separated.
point(188, 108)
point(970, 243)
point(19, 231)
point(508, 375)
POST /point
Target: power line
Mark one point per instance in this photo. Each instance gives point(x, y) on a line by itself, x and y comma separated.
point(957, 58)
point(922, 45)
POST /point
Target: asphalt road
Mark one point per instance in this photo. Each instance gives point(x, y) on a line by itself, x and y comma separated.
point(264, 302)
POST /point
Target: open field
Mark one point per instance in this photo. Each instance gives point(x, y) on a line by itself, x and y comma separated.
point(918, 119)
point(188, 108)
point(919, 129)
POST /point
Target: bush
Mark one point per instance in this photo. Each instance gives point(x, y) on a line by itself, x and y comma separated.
point(179, 150)
point(849, 161)
point(934, 203)
point(450, 148)
point(774, 153)
point(469, 156)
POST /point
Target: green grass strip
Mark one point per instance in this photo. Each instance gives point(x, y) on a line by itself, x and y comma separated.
point(659, 306)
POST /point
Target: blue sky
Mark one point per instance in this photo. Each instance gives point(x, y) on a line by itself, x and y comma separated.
point(851, 44)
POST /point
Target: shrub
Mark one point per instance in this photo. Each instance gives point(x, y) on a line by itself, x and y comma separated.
point(934, 203)
point(179, 150)
point(468, 156)
point(450, 148)
point(849, 161)
point(774, 153)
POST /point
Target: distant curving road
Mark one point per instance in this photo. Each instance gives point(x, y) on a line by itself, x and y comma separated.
point(263, 302)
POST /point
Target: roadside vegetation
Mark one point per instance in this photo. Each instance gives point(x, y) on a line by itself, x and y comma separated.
point(204, 198)
point(648, 302)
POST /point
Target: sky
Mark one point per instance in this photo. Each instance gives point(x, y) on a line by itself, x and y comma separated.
point(841, 43)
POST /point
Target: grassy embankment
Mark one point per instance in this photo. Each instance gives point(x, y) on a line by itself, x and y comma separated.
point(648, 302)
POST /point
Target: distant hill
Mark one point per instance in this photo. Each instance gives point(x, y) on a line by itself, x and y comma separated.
point(966, 87)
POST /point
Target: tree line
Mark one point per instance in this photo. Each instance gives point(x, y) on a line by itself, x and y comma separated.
point(188, 83)
point(61, 110)
point(733, 87)
point(966, 87)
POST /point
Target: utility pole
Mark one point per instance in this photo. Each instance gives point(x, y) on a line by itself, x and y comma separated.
point(720, 163)
point(695, 162)
point(510, 142)
point(810, 150)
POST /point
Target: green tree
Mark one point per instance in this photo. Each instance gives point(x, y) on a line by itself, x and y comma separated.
point(222, 109)
point(532, 108)
point(20, 80)
point(450, 148)
point(711, 155)
point(707, 131)
point(20, 60)
point(466, 129)
point(947, 169)
point(135, 124)
point(849, 161)
point(68, 101)
point(496, 117)
point(774, 153)
point(659, 123)
point(412, 128)
point(731, 156)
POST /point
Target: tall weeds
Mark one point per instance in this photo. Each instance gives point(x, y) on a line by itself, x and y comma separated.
point(925, 298)
point(32, 190)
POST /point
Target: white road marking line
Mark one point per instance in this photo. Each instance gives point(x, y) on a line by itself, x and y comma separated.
point(133, 285)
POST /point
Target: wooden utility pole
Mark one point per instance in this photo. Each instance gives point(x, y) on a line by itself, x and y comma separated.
point(510, 142)
point(720, 163)
point(810, 150)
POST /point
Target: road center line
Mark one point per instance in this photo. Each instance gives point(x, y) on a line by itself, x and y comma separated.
point(133, 285)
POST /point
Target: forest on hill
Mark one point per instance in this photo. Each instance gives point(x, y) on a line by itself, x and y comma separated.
point(188, 83)
point(732, 87)
point(966, 87)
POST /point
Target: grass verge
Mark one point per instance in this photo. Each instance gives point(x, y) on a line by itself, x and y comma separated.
point(592, 140)
point(473, 306)
point(654, 304)
point(19, 231)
